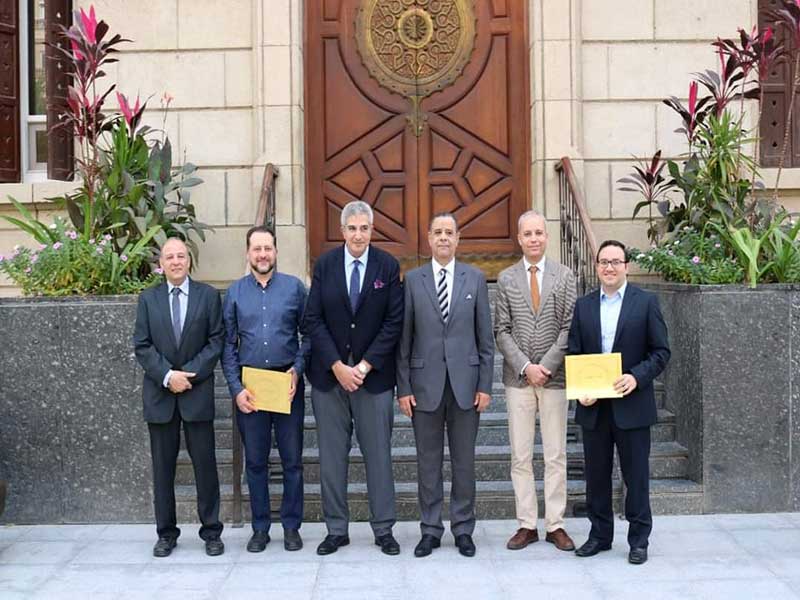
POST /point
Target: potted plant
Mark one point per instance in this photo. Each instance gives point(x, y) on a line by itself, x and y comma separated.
point(729, 255)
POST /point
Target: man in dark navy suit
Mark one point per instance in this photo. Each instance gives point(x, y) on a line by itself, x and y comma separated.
point(178, 340)
point(619, 318)
point(354, 318)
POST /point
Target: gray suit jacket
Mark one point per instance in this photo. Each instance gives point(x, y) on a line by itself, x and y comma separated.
point(430, 349)
point(539, 337)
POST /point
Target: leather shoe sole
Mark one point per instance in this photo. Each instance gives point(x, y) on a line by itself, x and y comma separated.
point(163, 547)
point(426, 545)
point(332, 543)
point(637, 556)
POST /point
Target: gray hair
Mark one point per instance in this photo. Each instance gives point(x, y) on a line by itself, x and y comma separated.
point(356, 207)
point(530, 213)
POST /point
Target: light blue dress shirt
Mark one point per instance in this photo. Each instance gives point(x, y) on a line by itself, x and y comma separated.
point(349, 259)
point(610, 307)
point(183, 300)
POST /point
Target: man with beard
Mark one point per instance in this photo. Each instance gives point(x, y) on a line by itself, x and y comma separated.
point(262, 313)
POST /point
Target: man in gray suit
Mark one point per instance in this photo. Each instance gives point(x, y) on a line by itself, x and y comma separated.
point(444, 378)
point(533, 312)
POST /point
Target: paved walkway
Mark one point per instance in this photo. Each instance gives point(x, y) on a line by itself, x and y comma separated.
point(715, 556)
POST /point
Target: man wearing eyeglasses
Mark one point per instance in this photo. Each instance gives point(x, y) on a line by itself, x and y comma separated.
point(622, 318)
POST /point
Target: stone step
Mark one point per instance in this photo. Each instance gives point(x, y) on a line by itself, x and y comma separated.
point(494, 500)
point(668, 460)
point(493, 430)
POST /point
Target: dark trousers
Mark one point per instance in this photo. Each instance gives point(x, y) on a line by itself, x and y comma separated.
point(462, 431)
point(633, 447)
point(165, 440)
point(256, 430)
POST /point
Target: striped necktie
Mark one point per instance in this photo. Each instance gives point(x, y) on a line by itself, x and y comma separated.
point(441, 293)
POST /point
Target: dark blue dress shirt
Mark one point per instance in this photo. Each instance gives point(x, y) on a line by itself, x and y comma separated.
point(261, 327)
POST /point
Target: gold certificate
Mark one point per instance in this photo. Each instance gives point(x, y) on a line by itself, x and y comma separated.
point(593, 375)
point(270, 388)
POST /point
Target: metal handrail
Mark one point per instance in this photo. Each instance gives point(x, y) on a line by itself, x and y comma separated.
point(265, 215)
point(578, 243)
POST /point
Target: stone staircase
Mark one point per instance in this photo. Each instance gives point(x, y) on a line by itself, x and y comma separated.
point(671, 491)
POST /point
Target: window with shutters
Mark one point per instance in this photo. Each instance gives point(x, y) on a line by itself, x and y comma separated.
point(777, 91)
point(32, 90)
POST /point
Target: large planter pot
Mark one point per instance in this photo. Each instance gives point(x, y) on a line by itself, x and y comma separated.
point(73, 445)
point(734, 385)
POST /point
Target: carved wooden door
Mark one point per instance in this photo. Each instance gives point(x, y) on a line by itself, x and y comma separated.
point(418, 107)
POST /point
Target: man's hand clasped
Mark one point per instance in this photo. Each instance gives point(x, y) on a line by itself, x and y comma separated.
point(537, 374)
point(179, 381)
point(350, 378)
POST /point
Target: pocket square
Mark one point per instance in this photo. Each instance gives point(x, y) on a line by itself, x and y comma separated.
point(378, 284)
point(469, 296)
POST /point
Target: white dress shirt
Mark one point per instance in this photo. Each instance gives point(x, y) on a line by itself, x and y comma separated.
point(610, 306)
point(183, 300)
point(349, 259)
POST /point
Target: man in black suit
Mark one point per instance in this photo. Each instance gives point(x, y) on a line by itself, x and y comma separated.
point(354, 317)
point(178, 340)
point(619, 318)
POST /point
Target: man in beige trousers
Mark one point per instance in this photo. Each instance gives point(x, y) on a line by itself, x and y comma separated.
point(533, 312)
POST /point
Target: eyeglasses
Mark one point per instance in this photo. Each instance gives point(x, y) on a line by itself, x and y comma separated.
point(611, 263)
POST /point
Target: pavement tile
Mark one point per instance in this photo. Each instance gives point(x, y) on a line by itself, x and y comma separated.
point(24, 578)
point(92, 580)
point(11, 533)
point(738, 522)
point(762, 542)
point(291, 577)
point(528, 574)
point(675, 523)
point(64, 533)
point(787, 566)
point(554, 591)
point(39, 553)
point(753, 590)
point(688, 543)
point(110, 553)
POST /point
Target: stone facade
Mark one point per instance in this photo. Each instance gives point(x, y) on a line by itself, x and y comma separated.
point(599, 69)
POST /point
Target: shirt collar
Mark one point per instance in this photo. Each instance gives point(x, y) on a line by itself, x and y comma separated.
point(620, 291)
point(255, 282)
point(449, 267)
point(349, 258)
point(539, 265)
point(184, 287)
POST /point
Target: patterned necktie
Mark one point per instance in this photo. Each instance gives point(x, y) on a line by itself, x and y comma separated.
point(441, 293)
point(176, 313)
point(355, 277)
point(534, 288)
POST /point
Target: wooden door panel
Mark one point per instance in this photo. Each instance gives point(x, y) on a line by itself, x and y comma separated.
point(418, 107)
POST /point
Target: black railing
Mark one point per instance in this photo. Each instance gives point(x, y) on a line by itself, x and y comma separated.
point(578, 244)
point(265, 215)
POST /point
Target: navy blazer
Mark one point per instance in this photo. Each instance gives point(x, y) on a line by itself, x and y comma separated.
point(372, 333)
point(198, 352)
point(641, 338)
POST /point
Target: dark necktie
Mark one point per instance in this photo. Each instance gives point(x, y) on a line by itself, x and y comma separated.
point(355, 277)
point(176, 313)
point(441, 293)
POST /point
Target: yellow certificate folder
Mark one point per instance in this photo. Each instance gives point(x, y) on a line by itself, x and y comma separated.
point(271, 389)
point(593, 375)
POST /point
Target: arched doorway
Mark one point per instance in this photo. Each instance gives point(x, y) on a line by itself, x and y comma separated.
point(417, 107)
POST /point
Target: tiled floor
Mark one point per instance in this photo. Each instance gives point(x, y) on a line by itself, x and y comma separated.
point(704, 557)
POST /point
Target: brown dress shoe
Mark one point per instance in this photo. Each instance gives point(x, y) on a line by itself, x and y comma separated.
point(522, 538)
point(560, 539)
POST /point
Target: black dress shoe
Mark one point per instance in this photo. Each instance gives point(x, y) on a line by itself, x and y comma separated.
point(465, 545)
point(214, 546)
point(332, 543)
point(292, 540)
point(637, 556)
point(164, 547)
point(388, 544)
point(258, 541)
point(592, 547)
point(426, 545)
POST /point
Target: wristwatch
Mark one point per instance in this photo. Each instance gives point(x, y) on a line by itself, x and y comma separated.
point(362, 368)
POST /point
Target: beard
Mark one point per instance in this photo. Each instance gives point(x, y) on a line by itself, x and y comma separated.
point(262, 270)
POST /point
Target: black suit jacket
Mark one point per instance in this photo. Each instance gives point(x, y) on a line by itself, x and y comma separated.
point(641, 338)
point(372, 333)
point(198, 352)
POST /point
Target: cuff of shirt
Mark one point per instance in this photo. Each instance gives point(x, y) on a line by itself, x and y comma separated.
point(165, 383)
point(525, 366)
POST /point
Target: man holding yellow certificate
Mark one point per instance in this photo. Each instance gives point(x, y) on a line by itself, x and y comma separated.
point(263, 359)
point(622, 318)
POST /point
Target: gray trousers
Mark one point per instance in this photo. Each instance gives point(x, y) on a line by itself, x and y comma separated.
point(336, 412)
point(462, 431)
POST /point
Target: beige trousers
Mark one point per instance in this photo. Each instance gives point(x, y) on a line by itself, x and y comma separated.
point(552, 405)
